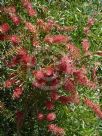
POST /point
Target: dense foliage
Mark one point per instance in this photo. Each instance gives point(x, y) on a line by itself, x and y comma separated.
point(50, 67)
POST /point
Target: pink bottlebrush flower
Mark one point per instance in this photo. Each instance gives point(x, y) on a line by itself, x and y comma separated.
point(61, 39)
point(30, 27)
point(56, 39)
point(27, 4)
point(49, 25)
point(49, 39)
point(86, 30)
point(82, 79)
point(49, 105)
point(19, 118)
point(54, 96)
point(85, 45)
point(15, 39)
point(90, 22)
point(31, 61)
point(51, 116)
point(4, 28)
point(17, 92)
point(40, 116)
point(95, 108)
point(70, 86)
point(28, 60)
point(66, 65)
point(15, 19)
point(73, 50)
point(8, 84)
point(61, 66)
point(31, 11)
point(48, 71)
point(56, 130)
point(39, 75)
point(11, 11)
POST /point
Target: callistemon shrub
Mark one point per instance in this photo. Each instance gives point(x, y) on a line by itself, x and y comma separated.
point(50, 68)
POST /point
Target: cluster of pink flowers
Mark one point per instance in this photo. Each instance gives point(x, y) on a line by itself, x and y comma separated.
point(43, 76)
point(56, 130)
point(30, 27)
point(56, 39)
point(4, 28)
point(28, 6)
point(67, 65)
point(82, 79)
point(73, 51)
point(11, 11)
point(65, 74)
point(49, 117)
point(17, 92)
point(15, 39)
